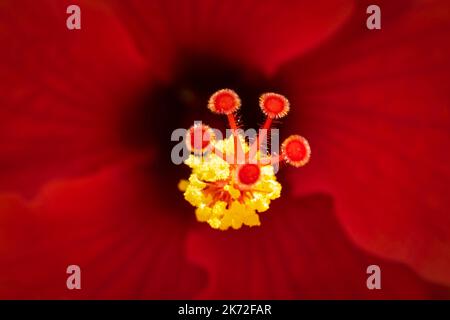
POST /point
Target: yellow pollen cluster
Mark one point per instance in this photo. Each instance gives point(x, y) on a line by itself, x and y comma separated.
point(220, 200)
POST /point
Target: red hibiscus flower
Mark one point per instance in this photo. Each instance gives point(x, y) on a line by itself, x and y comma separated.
point(85, 170)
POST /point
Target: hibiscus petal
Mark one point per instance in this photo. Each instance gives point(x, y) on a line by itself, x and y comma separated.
point(60, 91)
point(261, 34)
point(376, 112)
point(127, 238)
point(299, 252)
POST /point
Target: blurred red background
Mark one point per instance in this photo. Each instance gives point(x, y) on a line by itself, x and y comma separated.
point(85, 171)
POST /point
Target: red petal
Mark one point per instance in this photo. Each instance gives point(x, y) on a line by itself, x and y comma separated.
point(299, 252)
point(61, 91)
point(376, 113)
point(262, 34)
point(127, 238)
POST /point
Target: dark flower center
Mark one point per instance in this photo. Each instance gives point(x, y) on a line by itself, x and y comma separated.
point(177, 104)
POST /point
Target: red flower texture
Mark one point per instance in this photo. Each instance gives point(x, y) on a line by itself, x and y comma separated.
point(86, 178)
